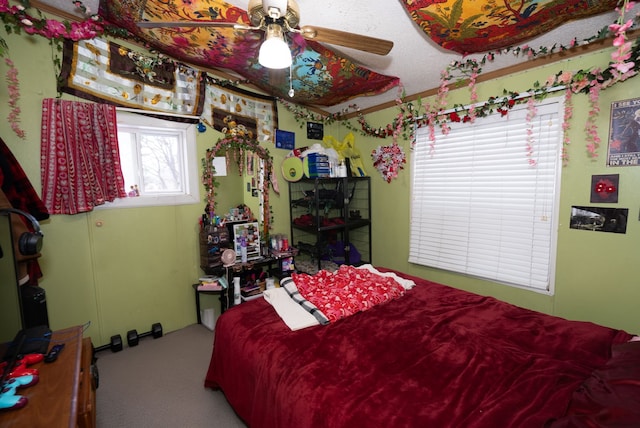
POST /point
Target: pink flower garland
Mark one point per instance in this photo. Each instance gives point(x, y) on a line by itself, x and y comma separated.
point(474, 94)
point(13, 87)
point(532, 111)
point(566, 124)
point(49, 28)
point(52, 29)
point(441, 98)
point(622, 68)
point(593, 139)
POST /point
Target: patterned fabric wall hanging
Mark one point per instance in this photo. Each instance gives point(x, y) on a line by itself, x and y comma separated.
point(103, 71)
point(258, 114)
point(469, 26)
point(319, 76)
point(79, 156)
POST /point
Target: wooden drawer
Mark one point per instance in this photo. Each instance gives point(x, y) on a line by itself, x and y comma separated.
point(87, 388)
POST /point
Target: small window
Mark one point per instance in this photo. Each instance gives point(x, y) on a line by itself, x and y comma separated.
point(158, 159)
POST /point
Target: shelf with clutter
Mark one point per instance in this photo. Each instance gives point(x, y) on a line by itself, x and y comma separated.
point(330, 222)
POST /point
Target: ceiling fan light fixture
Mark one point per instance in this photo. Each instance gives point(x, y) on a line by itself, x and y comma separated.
point(274, 51)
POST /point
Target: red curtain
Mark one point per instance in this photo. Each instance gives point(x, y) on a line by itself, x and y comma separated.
point(80, 161)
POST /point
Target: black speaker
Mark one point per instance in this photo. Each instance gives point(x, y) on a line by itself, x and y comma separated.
point(34, 306)
point(29, 243)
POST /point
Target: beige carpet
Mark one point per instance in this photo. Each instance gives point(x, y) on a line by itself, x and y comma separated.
point(160, 383)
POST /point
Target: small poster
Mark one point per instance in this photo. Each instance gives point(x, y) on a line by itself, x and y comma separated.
point(285, 139)
point(624, 137)
point(315, 131)
point(597, 219)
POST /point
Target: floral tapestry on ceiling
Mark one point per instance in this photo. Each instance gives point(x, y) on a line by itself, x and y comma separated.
point(469, 26)
point(318, 75)
point(103, 71)
point(225, 108)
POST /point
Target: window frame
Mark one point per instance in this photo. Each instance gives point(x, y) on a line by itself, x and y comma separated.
point(556, 104)
point(187, 131)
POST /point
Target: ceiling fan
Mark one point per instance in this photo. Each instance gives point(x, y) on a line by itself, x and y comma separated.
point(277, 18)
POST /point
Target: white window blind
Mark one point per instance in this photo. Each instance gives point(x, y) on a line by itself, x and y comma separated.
point(480, 208)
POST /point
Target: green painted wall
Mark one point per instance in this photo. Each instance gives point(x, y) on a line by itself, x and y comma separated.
point(138, 266)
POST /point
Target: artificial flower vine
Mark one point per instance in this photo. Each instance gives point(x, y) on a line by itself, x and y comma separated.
point(532, 111)
point(13, 88)
point(624, 64)
point(16, 19)
point(621, 66)
point(593, 139)
point(568, 114)
point(238, 144)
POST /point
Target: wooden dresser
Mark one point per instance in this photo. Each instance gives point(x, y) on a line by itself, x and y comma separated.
point(65, 394)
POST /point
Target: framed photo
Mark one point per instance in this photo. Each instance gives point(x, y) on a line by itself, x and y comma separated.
point(597, 219)
point(624, 133)
point(604, 188)
point(246, 235)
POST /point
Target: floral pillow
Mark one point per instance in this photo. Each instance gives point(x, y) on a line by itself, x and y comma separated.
point(347, 291)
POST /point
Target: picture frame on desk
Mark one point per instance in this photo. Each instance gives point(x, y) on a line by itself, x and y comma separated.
point(287, 265)
point(246, 234)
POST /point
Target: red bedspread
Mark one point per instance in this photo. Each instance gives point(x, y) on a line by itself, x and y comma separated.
point(435, 357)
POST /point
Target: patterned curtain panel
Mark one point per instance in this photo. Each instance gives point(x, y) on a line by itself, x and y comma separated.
point(319, 76)
point(469, 26)
point(80, 161)
point(224, 105)
point(103, 71)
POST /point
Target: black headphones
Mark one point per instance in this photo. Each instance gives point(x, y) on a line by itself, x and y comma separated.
point(30, 243)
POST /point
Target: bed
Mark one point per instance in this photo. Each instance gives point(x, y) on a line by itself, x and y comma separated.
point(435, 356)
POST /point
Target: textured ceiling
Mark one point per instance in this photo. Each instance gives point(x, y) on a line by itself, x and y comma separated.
point(415, 58)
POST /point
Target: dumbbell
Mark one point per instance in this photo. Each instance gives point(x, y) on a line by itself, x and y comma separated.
point(115, 344)
point(133, 336)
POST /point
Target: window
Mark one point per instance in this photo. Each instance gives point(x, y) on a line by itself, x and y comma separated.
point(158, 159)
point(480, 208)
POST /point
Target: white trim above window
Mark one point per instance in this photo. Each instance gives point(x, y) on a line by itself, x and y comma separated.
point(480, 208)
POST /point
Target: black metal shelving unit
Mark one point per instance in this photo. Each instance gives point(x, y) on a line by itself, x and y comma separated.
point(331, 219)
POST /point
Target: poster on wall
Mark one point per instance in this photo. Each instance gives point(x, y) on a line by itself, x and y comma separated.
point(597, 219)
point(624, 133)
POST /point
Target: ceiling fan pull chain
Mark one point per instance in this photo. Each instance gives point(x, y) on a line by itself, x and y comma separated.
point(291, 91)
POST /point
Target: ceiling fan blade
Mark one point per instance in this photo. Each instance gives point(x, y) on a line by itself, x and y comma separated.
point(177, 24)
point(348, 40)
